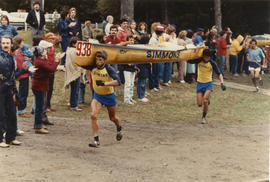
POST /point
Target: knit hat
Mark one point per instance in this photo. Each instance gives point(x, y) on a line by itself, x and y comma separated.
point(38, 51)
point(49, 36)
point(45, 44)
point(159, 28)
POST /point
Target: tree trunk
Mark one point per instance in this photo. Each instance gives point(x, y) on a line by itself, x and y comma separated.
point(218, 15)
point(127, 9)
point(164, 8)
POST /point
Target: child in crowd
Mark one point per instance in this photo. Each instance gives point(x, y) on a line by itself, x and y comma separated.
point(129, 74)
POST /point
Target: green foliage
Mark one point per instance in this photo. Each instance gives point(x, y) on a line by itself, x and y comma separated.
point(109, 7)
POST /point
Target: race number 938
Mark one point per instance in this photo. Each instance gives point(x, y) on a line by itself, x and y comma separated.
point(84, 49)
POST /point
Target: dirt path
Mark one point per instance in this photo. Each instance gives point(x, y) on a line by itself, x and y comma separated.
point(243, 87)
point(149, 152)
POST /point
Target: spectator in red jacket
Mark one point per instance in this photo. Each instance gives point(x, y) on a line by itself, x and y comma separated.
point(40, 84)
point(222, 47)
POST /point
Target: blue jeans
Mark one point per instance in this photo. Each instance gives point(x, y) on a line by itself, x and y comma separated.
point(64, 45)
point(141, 88)
point(8, 115)
point(155, 75)
point(82, 93)
point(167, 72)
point(23, 94)
point(234, 61)
point(161, 72)
point(39, 100)
point(222, 64)
point(74, 93)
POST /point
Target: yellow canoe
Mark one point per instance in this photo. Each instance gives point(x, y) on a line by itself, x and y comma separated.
point(263, 42)
point(136, 54)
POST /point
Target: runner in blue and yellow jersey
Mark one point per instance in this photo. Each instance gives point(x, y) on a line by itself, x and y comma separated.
point(104, 79)
point(205, 80)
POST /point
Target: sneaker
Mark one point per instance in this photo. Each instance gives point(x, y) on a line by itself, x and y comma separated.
point(143, 100)
point(257, 89)
point(4, 135)
point(94, 144)
point(169, 82)
point(260, 81)
point(41, 131)
point(3, 145)
point(133, 101)
point(165, 84)
point(47, 122)
point(203, 121)
point(76, 109)
point(14, 142)
point(129, 102)
point(147, 94)
point(119, 136)
point(156, 89)
point(182, 81)
point(236, 75)
point(24, 115)
point(19, 132)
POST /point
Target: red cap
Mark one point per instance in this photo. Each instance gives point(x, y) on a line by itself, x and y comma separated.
point(160, 28)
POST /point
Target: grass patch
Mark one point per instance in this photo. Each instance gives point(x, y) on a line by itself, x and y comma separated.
point(175, 104)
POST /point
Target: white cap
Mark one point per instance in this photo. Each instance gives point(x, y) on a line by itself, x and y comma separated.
point(45, 44)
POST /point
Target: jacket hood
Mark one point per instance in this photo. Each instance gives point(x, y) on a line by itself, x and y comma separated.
point(240, 38)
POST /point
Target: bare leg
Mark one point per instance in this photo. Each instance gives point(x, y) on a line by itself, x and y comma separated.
point(113, 118)
point(206, 98)
point(199, 99)
point(95, 109)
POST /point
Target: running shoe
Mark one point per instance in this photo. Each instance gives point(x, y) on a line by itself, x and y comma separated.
point(119, 136)
point(260, 81)
point(203, 121)
point(95, 144)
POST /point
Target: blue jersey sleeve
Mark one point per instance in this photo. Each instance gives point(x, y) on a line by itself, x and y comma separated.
point(113, 73)
point(215, 67)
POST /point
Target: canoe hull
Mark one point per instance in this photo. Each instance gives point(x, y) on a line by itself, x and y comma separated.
point(129, 55)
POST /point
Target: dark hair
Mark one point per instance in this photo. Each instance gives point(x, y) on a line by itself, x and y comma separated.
point(142, 23)
point(253, 40)
point(102, 54)
point(100, 38)
point(16, 43)
point(37, 39)
point(64, 14)
point(145, 39)
point(5, 17)
point(114, 26)
point(158, 32)
point(222, 33)
point(36, 2)
point(211, 35)
point(129, 37)
point(73, 41)
point(207, 52)
point(123, 20)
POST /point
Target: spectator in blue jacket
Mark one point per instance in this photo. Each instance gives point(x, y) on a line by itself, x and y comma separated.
point(74, 26)
point(6, 28)
point(8, 114)
point(63, 32)
point(198, 38)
